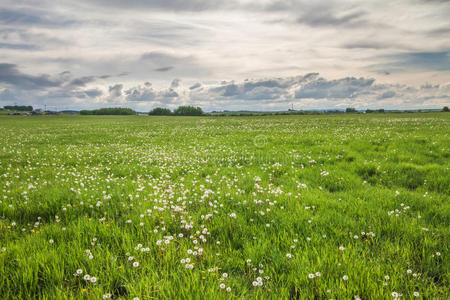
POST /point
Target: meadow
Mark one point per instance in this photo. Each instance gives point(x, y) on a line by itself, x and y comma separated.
point(346, 206)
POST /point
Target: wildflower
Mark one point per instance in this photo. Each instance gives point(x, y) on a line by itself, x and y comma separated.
point(289, 256)
point(387, 277)
point(416, 294)
point(51, 241)
point(254, 283)
point(311, 276)
point(345, 277)
point(228, 289)
point(79, 271)
point(408, 271)
point(222, 286)
point(318, 274)
point(225, 275)
point(135, 264)
point(341, 248)
point(93, 279)
point(106, 296)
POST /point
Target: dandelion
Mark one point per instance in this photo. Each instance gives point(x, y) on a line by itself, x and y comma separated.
point(289, 256)
point(93, 279)
point(345, 277)
point(87, 277)
point(79, 272)
point(311, 276)
point(51, 241)
point(416, 294)
point(135, 264)
point(224, 275)
point(408, 271)
point(387, 277)
point(106, 296)
point(318, 274)
point(255, 283)
point(222, 286)
point(228, 289)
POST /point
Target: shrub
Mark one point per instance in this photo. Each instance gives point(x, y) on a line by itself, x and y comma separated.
point(445, 109)
point(160, 111)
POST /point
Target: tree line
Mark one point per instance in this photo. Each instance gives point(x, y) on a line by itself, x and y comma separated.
point(180, 111)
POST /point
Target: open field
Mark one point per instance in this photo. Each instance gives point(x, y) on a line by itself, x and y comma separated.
point(301, 207)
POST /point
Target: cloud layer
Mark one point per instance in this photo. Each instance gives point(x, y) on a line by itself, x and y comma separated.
point(76, 54)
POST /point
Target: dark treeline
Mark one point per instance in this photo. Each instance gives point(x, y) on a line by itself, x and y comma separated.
point(109, 111)
point(19, 107)
point(180, 111)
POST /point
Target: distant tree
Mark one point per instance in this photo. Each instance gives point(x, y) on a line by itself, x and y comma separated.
point(109, 111)
point(350, 110)
point(188, 111)
point(445, 109)
point(19, 107)
point(381, 110)
point(86, 112)
point(160, 111)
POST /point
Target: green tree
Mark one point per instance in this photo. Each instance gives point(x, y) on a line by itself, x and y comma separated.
point(160, 111)
point(109, 111)
point(350, 110)
point(445, 109)
point(188, 111)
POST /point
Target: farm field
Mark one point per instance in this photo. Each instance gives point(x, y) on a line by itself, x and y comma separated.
point(280, 207)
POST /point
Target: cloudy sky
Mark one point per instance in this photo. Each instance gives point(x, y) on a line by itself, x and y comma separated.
point(235, 54)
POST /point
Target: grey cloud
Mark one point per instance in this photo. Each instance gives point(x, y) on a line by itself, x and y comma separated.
point(115, 90)
point(164, 69)
point(413, 61)
point(387, 95)
point(170, 5)
point(10, 75)
point(175, 83)
point(33, 17)
point(18, 46)
point(93, 92)
point(195, 86)
point(349, 87)
point(260, 89)
point(319, 17)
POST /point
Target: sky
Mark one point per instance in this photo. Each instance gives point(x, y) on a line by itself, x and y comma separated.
point(225, 55)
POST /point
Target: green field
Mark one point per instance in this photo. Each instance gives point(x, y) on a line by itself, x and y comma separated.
point(276, 207)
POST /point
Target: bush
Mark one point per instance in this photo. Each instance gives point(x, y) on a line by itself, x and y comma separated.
point(160, 111)
point(445, 109)
point(109, 111)
point(188, 111)
point(350, 110)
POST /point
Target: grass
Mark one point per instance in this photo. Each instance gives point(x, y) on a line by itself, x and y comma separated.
point(270, 197)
